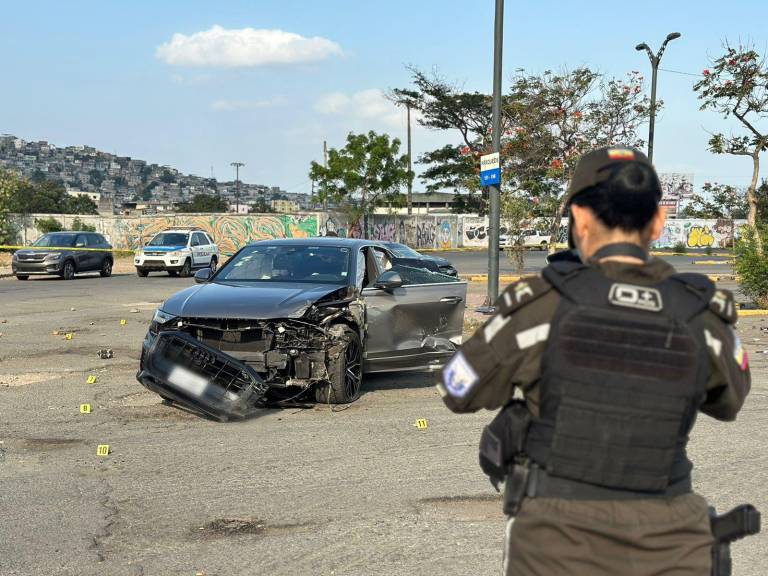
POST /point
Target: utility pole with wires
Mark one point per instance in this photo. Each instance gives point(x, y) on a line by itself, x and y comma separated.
point(237, 166)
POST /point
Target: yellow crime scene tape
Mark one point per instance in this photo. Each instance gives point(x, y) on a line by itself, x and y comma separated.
point(70, 248)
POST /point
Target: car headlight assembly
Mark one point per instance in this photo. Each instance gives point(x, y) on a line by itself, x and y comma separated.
point(160, 320)
point(54, 256)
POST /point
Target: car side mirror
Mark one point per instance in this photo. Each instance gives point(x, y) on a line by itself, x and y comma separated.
point(203, 276)
point(388, 280)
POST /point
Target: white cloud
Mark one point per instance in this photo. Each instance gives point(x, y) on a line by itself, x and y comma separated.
point(369, 104)
point(222, 48)
point(234, 105)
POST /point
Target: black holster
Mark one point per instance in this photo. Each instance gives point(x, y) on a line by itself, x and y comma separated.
point(502, 443)
point(742, 521)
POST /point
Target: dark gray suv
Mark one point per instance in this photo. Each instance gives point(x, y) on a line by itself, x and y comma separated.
point(64, 254)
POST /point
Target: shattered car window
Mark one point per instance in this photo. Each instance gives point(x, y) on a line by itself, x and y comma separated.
point(286, 263)
point(169, 239)
point(412, 276)
point(402, 251)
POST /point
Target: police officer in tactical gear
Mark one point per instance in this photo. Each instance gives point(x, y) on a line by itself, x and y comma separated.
point(614, 354)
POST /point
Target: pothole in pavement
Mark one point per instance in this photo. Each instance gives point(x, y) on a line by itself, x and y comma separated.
point(465, 508)
point(225, 527)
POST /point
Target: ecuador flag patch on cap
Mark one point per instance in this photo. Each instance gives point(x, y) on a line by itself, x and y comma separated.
point(621, 154)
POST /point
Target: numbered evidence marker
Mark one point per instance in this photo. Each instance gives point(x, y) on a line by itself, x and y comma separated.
point(68, 336)
point(91, 379)
point(123, 322)
point(85, 408)
point(421, 423)
point(102, 450)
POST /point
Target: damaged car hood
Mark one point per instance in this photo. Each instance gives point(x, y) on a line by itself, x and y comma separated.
point(257, 301)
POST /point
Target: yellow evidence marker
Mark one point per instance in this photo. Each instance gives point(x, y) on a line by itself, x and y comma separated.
point(102, 450)
point(85, 408)
point(421, 423)
point(91, 379)
point(123, 322)
point(68, 336)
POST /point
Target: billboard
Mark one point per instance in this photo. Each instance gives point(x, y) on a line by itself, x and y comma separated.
point(674, 189)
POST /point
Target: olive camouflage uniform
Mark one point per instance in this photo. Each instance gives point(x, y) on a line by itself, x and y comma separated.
point(552, 536)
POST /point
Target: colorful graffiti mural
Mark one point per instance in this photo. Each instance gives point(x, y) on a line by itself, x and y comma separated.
point(700, 233)
point(230, 232)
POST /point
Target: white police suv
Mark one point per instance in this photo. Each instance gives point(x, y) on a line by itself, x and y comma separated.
point(177, 251)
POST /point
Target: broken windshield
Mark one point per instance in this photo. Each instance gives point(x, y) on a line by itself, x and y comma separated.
point(289, 263)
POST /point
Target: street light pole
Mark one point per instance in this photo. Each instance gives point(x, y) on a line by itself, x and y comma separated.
point(237, 166)
point(655, 60)
point(494, 190)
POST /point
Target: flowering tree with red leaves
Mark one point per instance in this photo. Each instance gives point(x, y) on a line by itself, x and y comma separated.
point(737, 85)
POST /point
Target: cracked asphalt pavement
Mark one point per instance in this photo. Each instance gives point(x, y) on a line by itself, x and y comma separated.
point(355, 491)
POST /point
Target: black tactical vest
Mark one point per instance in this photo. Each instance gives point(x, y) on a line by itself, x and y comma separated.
point(623, 376)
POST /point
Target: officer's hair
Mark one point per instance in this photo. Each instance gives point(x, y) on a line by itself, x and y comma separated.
point(627, 200)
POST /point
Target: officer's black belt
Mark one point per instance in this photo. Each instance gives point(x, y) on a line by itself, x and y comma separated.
point(542, 485)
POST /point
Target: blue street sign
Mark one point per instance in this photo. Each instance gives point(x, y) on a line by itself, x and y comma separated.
point(490, 170)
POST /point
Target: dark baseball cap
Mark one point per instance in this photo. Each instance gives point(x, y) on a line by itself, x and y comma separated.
point(598, 166)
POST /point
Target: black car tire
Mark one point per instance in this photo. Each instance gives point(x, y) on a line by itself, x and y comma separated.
point(141, 273)
point(22, 277)
point(345, 373)
point(106, 268)
point(213, 265)
point(68, 270)
point(173, 273)
point(186, 269)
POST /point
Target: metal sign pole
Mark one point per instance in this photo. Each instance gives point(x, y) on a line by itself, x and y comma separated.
point(494, 189)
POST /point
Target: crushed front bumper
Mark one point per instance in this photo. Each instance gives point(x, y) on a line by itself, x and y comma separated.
point(180, 368)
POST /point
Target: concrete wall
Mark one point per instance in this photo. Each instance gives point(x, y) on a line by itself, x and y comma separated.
point(231, 231)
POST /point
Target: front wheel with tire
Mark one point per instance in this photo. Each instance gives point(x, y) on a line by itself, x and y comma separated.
point(141, 273)
point(172, 273)
point(213, 265)
point(345, 372)
point(106, 268)
point(186, 269)
point(22, 277)
point(68, 271)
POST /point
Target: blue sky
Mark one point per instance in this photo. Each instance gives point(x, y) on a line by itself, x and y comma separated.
point(80, 72)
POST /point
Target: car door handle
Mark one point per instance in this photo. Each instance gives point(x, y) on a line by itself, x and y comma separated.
point(452, 299)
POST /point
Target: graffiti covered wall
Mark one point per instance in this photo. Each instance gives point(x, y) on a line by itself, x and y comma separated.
point(443, 232)
point(229, 231)
point(698, 233)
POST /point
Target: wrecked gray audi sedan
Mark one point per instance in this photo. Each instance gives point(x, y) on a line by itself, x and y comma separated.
point(286, 318)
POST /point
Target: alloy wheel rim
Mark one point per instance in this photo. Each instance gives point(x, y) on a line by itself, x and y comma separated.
point(352, 375)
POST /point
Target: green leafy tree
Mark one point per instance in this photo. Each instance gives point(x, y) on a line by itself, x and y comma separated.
point(48, 198)
point(737, 85)
point(9, 183)
point(515, 213)
point(204, 203)
point(548, 121)
point(80, 226)
point(367, 172)
point(48, 225)
point(717, 201)
point(79, 205)
point(751, 265)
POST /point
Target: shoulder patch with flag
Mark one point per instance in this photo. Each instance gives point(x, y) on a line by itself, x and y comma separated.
point(739, 354)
